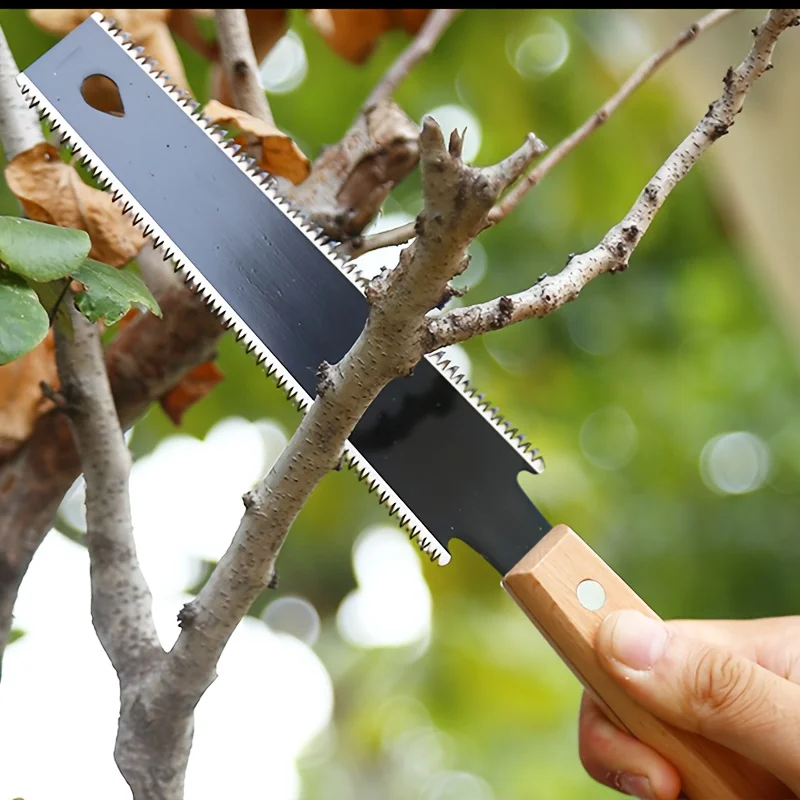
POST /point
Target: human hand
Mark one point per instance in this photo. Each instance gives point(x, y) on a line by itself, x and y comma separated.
point(734, 682)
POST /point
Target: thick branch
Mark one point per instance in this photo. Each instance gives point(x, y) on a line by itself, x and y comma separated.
point(351, 179)
point(151, 750)
point(19, 131)
point(457, 201)
point(19, 126)
point(643, 73)
point(121, 599)
point(239, 60)
point(145, 360)
point(151, 355)
point(614, 251)
point(421, 45)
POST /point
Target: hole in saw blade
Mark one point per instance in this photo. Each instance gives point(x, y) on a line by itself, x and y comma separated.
point(102, 94)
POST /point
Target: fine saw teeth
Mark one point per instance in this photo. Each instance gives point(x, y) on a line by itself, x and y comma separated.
point(217, 304)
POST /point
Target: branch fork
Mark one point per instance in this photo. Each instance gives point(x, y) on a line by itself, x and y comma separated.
point(160, 690)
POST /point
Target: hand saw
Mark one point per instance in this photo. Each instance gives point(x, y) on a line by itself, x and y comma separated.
point(433, 450)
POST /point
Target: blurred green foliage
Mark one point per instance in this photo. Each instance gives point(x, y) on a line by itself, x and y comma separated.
point(683, 343)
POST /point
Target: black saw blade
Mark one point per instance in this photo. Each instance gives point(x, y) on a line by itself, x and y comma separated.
point(428, 445)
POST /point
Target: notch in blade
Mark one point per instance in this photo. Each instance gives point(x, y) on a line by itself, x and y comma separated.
point(431, 448)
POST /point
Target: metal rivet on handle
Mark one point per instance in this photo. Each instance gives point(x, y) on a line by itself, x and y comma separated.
point(591, 595)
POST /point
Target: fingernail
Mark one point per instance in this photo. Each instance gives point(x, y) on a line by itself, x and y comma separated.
point(637, 786)
point(637, 641)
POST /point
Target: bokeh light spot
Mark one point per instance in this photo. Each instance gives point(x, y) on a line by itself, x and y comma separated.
point(735, 463)
point(286, 65)
point(392, 605)
point(455, 117)
point(544, 51)
point(457, 786)
point(608, 438)
point(596, 327)
point(295, 616)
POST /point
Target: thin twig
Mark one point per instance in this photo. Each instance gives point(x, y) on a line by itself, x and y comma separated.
point(421, 45)
point(375, 241)
point(239, 60)
point(643, 73)
point(614, 251)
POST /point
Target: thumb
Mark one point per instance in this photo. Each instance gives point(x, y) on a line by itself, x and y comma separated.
point(706, 690)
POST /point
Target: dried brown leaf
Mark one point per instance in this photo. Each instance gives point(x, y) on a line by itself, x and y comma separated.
point(159, 45)
point(21, 398)
point(192, 387)
point(353, 33)
point(53, 192)
point(183, 23)
point(138, 22)
point(267, 25)
point(409, 18)
point(279, 154)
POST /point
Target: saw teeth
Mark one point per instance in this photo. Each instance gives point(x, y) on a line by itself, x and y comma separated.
point(194, 279)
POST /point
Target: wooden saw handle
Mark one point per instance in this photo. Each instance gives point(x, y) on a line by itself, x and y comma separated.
point(545, 584)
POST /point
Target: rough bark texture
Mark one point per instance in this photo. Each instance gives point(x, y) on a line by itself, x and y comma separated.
point(557, 154)
point(614, 251)
point(146, 359)
point(151, 752)
point(352, 178)
point(19, 128)
point(457, 200)
point(152, 355)
point(159, 691)
point(239, 61)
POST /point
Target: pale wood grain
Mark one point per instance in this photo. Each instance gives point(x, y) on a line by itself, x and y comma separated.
point(544, 584)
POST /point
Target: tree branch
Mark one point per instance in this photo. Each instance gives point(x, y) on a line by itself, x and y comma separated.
point(347, 186)
point(19, 131)
point(421, 45)
point(151, 753)
point(643, 73)
point(144, 360)
point(19, 126)
point(351, 179)
point(457, 200)
point(121, 599)
point(614, 251)
point(239, 60)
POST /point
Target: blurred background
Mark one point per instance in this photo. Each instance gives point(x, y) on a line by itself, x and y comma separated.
point(665, 402)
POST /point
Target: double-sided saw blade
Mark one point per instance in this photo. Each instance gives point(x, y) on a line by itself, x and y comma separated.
point(430, 447)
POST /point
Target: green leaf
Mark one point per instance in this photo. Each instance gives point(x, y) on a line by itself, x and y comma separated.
point(41, 252)
point(110, 292)
point(23, 321)
point(16, 635)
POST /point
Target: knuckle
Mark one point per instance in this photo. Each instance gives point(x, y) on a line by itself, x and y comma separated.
point(721, 690)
